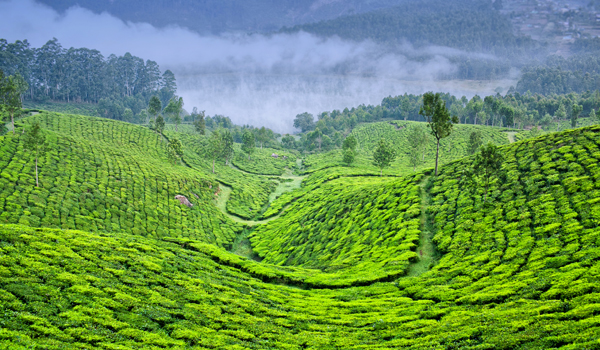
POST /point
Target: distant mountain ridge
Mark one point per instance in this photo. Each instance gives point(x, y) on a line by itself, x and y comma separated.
point(218, 16)
point(470, 25)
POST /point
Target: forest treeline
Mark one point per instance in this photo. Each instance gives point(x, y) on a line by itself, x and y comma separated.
point(559, 75)
point(115, 83)
point(514, 110)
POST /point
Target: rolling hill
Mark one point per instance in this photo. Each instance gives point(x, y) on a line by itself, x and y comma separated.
point(355, 261)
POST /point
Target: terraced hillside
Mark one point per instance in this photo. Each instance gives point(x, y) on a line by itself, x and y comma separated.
point(364, 227)
point(367, 135)
point(251, 183)
point(107, 176)
point(519, 271)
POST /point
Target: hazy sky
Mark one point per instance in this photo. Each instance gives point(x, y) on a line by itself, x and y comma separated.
point(256, 79)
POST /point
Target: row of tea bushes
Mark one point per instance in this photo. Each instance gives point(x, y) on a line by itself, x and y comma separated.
point(250, 192)
point(537, 237)
point(78, 290)
point(88, 182)
point(262, 162)
point(359, 226)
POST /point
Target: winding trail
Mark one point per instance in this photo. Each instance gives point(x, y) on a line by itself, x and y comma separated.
point(286, 183)
point(426, 249)
point(511, 136)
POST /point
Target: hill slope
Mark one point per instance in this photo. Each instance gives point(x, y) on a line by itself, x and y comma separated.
point(102, 175)
point(519, 271)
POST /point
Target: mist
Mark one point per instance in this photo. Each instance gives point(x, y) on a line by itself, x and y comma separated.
point(261, 80)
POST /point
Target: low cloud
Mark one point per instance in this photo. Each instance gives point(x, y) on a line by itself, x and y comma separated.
point(263, 80)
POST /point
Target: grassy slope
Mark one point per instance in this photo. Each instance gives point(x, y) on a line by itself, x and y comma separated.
point(367, 135)
point(360, 227)
point(519, 273)
point(106, 176)
point(250, 192)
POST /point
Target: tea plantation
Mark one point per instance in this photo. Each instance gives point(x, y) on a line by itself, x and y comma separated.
point(367, 135)
point(106, 176)
point(101, 255)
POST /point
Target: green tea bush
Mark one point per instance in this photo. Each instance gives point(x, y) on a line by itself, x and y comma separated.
point(362, 226)
point(105, 176)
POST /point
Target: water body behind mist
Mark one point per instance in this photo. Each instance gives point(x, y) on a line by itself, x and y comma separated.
point(274, 100)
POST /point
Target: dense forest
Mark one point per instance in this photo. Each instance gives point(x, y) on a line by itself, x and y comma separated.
point(115, 83)
point(469, 25)
point(512, 110)
point(217, 16)
point(559, 75)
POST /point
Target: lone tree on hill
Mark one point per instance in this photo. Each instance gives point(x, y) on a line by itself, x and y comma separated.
point(35, 142)
point(438, 118)
point(384, 155)
point(248, 143)
point(227, 145)
point(348, 157)
point(160, 124)
point(154, 107)
point(487, 164)
point(174, 150)
point(174, 109)
point(350, 143)
point(475, 142)
point(417, 136)
point(349, 147)
point(575, 111)
point(215, 147)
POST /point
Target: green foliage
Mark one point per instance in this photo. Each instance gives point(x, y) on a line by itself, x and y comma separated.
point(174, 150)
point(154, 106)
point(200, 123)
point(250, 193)
point(11, 91)
point(80, 74)
point(349, 143)
point(227, 145)
point(417, 139)
point(475, 142)
point(174, 110)
point(348, 157)
point(575, 111)
point(346, 226)
point(384, 155)
point(35, 142)
point(438, 119)
point(248, 145)
point(305, 122)
point(517, 272)
point(106, 176)
point(487, 165)
point(159, 124)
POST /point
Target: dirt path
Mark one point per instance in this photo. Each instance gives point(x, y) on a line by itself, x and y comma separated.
point(511, 136)
point(287, 183)
point(222, 205)
point(426, 249)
